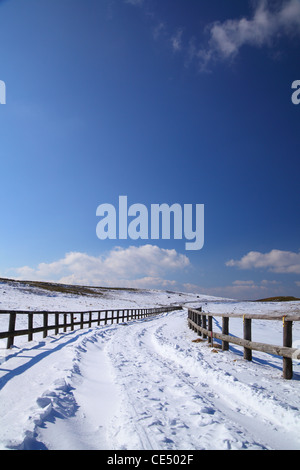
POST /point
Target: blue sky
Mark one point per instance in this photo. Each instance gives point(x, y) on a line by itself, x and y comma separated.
point(165, 101)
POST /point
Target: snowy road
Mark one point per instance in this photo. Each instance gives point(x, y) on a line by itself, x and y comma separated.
point(144, 385)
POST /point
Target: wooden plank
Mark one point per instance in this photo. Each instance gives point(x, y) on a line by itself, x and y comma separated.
point(253, 316)
point(12, 332)
point(262, 347)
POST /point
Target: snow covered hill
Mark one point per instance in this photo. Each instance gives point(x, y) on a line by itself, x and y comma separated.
point(144, 384)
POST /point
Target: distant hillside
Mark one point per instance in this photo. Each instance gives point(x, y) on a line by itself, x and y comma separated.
point(61, 288)
point(279, 299)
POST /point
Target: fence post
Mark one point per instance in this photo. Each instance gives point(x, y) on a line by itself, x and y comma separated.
point(287, 366)
point(81, 321)
point(210, 338)
point(199, 322)
point(225, 331)
point(204, 325)
point(189, 318)
point(11, 329)
point(247, 336)
point(72, 321)
point(30, 326)
point(56, 323)
point(45, 324)
point(65, 322)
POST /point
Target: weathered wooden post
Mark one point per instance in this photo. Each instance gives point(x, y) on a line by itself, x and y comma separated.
point(193, 319)
point(199, 321)
point(11, 329)
point(225, 331)
point(56, 323)
point(210, 327)
point(81, 320)
point(287, 366)
point(30, 326)
point(204, 325)
point(72, 321)
point(189, 318)
point(45, 324)
point(65, 322)
point(247, 336)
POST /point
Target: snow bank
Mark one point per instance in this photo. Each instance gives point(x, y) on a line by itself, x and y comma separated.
point(145, 384)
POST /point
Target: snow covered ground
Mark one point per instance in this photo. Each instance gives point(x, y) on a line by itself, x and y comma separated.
point(145, 384)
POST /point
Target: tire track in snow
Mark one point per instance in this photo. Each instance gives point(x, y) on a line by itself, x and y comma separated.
point(164, 406)
point(161, 392)
point(257, 408)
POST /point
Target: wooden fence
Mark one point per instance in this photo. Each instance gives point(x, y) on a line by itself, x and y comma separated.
point(202, 323)
point(64, 320)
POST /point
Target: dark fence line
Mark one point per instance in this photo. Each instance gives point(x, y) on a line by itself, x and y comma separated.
point(73, 319)
point(202, 323)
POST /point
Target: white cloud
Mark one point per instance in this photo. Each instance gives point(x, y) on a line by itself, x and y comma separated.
point(247, 289)
point(269, 21)
point(176, 40)
point(134, 2)
point(267, 24)
point(147, 265)
point(159, 30)
point(243, 283)
point(277, 261)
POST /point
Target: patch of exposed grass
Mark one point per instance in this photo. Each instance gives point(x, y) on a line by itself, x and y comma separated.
point(278, 299)
point(65, 288)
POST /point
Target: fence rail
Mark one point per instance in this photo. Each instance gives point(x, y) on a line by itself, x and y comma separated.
point(65, 320)
point(202, 323)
